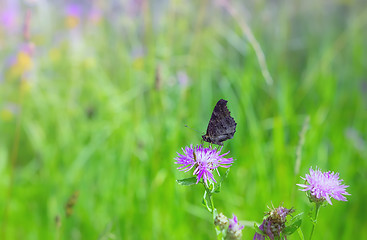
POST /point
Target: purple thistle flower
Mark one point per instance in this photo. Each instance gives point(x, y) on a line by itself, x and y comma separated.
point(259, 236)
point(234, 230)
point(324, 185)
point(203, 160)
point(274, 224)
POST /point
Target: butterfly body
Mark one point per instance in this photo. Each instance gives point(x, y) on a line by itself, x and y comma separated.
point(221, 125)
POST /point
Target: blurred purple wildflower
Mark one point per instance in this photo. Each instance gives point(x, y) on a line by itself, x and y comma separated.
point(27, 49)
point(138, 51)
point(183, 79)
point(234, 230)
point(324, 185)
point(134, 7)
point(274, 224)
point(9, 15)
point(74, 10)
point(74, 14)
point(95, 15)
point(204, 160)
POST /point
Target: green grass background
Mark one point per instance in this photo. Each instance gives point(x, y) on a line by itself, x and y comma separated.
point(121, 160)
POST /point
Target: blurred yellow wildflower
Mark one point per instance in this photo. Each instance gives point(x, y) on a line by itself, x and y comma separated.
point(89, 63)
point(138, 63)
point(6, 115)
point(54, 54)
point(23, 63)
point(25, 86)
point(72, 21)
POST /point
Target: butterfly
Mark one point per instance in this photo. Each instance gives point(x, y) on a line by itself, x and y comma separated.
point(221, 125)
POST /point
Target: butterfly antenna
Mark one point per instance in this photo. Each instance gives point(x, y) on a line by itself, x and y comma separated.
point(193, 129)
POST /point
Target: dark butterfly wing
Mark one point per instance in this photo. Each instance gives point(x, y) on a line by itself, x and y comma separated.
point(221, 126)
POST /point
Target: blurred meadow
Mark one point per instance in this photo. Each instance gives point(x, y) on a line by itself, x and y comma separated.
point(95, 96)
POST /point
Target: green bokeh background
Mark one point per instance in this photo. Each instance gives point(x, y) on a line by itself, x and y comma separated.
point(103, 109)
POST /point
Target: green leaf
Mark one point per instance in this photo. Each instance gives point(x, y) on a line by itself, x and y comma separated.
point(187, 181)
point(300, 234)
point(296, 218)
point(225, 175)
point(220, 235)
point(218, 187)
point(210, 187)
point(206, 202)
point(293, 224)
point(258, 230)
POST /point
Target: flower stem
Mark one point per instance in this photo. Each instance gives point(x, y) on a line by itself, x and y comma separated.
point(210, 206)
point(315, 219)
point(211, 202)
point(208, 198)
